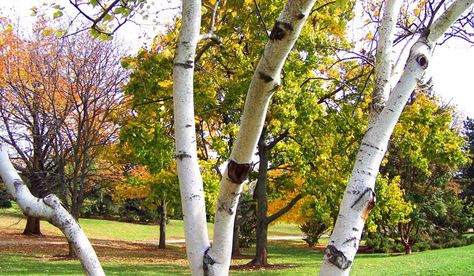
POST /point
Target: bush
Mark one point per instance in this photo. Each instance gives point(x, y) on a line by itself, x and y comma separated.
point(247, 219)
point(382, 244)
point(313, 230)
point(4, 198)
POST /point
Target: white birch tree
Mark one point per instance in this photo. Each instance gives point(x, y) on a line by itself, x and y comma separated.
point(359, 197)
point(50, 209)
point(215, 260)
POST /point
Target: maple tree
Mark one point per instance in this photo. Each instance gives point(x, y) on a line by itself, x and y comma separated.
point(32, 108)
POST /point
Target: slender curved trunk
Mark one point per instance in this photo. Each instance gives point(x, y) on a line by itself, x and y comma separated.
point(359, 196)
point(49, 208)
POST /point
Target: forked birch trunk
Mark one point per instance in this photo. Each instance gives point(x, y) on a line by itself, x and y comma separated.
point(50, 209)
point(265, 82)
point(383, 69)
point(359, 196)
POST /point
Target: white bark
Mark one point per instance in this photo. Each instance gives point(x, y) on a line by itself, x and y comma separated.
point(190, 180)
point(50, 209)
point(384, 57)
point(359, 196)
point(265, 81)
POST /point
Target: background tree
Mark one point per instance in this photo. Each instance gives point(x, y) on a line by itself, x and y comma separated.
point(425, 153)
point(33, 108)
point(94, 91)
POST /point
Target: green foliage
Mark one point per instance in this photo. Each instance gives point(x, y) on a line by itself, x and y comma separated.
point(313, 230)
point(4, 198)
point(424, 154)
point(247, 221)
point(392, 208)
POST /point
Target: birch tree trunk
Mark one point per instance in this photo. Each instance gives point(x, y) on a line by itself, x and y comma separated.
point(359, 197)
point(384, 58)
point(190, 180)
point(50, 209)
point(265, 82)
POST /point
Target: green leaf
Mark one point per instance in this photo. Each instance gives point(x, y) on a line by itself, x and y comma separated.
point(341, 3)
point(57, 14)
point(60, 33)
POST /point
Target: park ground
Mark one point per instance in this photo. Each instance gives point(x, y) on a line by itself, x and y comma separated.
point(132, 249)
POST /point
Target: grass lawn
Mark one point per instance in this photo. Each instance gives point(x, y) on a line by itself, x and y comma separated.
point(291, 259)
point(113, 230)
point(21, 255)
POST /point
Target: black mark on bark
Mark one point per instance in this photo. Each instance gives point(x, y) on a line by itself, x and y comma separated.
point(187, 65)
point(195, 197)
point(354, 240)
point(279, 30)
point(181, 155)
point(368, 190)
point(238, 172)
point(337, 258)
point(207, 261)
point(266, 78)
point(224, 208)
point(274, 89)
point(422, 61)
point(371, 146)
point(355, 229)
point(188, 125)
point(300, 16)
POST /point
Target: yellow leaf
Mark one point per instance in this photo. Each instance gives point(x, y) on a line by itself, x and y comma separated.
point(166, 83)
point(417, 11)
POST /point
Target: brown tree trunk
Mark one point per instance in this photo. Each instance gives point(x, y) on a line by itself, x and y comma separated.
point(235, 237)
point(71, 253)
point(162, 211)
point(262, 205)
point(32, 226)
point(408, 248)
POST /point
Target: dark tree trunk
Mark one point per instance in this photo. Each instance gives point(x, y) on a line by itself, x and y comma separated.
point(408, 248)
point(32, 226)
point(262, 205)
point(162, 213)
point(235, 236)
point(71, 253)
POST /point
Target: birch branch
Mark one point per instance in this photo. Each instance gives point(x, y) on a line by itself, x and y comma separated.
point(50, 209)
point(384, 57)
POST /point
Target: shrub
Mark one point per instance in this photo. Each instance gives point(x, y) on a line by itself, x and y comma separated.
point(313, 230)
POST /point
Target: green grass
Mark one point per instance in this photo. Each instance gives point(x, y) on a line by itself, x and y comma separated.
point(114, 230)
point(33, 265)
point(293, 257)
point(299, 261)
